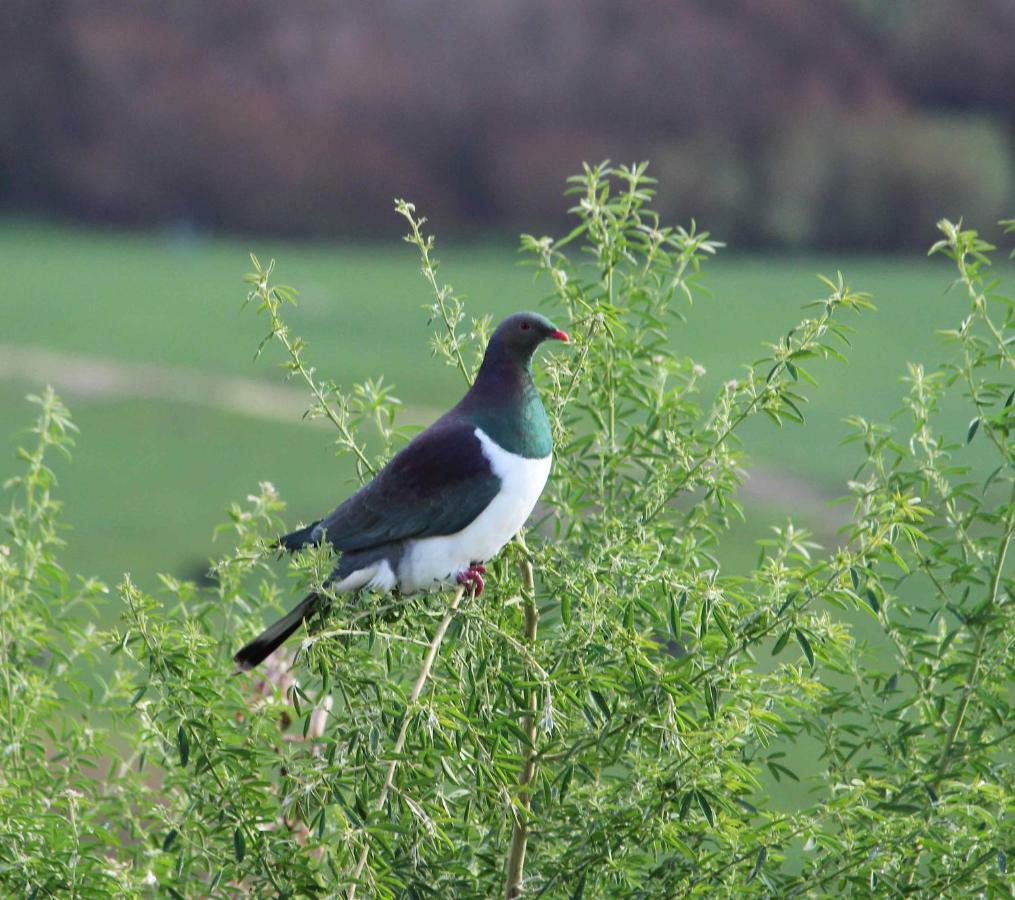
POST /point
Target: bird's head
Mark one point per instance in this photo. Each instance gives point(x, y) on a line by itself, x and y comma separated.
point(520, 334)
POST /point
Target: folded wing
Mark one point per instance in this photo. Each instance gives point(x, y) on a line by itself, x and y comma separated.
point(436, 485)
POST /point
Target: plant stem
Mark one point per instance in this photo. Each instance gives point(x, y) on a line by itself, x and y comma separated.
point(586, 346)
point(520, 830)
point(417, 689)
point(440, 294)
point(816, 328)
point(978, 648)
point(347, 436)
point(8, 665)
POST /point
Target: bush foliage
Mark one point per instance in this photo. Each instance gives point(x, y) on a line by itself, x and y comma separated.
point(619, 715)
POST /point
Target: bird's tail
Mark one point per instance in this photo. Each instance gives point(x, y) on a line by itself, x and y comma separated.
point(297, 540)
point(275, 635)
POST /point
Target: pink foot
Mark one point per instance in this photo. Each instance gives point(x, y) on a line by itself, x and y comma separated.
point(473, 576)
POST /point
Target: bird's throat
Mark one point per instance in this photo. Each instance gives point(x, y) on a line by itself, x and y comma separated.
point(505, 403)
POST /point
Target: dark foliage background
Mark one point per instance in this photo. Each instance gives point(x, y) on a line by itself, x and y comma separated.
point(834, 123)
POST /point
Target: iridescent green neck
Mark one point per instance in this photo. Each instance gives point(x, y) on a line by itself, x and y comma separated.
point(520, 427)
point(504, 402)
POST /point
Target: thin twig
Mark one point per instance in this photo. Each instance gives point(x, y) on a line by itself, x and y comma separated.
point(322, 401)
point(978, 648)
point(520, 830)
point(424, 245)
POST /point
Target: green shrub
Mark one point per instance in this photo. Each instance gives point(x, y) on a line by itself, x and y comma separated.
point(618, 716)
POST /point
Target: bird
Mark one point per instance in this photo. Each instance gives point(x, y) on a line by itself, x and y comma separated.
point(449, 500)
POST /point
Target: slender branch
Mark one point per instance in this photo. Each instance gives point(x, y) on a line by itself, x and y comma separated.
point(686, 476)
point(732, 426)
point(424, 245)
point(520, 830)
point(417, 689)
point(579, 366)
point(972, 282)
point(978, 647)
point(318, 393)
point(271, 299)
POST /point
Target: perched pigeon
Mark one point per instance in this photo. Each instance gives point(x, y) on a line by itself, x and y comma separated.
point(450, 499)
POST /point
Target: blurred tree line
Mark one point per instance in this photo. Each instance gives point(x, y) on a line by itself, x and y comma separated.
point(831, 123)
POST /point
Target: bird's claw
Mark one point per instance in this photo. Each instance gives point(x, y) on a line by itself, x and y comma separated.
point(473, 576)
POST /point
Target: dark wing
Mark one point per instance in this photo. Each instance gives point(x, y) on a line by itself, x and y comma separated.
point(436, 485)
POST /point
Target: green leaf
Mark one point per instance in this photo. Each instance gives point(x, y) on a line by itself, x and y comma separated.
point(183, 746)
point(601, 703)
point(724, 627)
point(170, 839)
point(896, 558)
point(805, 645)
point(565, 782)
point(711, 698)
point(685, 805)
point(974, 426)
point(787, 603)
point(778, 770)
point(759, 861)
point(780, 643)
point(674, 620)
point(703, 620)
point(706, 807)
point(872, 600)
point(239, 844)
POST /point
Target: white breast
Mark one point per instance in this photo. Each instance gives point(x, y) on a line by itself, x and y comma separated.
point(434, 561)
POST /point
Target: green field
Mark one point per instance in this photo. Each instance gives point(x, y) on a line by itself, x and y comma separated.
point(151, 477)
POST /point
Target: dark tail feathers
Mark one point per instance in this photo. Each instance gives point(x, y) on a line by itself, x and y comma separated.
point(297, 540)
point(275, 635)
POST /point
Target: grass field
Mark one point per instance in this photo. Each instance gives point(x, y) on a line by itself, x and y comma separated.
point(151, 477)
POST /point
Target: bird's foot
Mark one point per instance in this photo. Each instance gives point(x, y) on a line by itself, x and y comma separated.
point(473, 576)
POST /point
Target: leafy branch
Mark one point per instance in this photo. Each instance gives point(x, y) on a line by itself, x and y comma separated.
point(329, 402)
point(447, 306)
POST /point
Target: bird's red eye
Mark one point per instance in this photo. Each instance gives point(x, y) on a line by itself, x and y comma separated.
point(525, 326)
